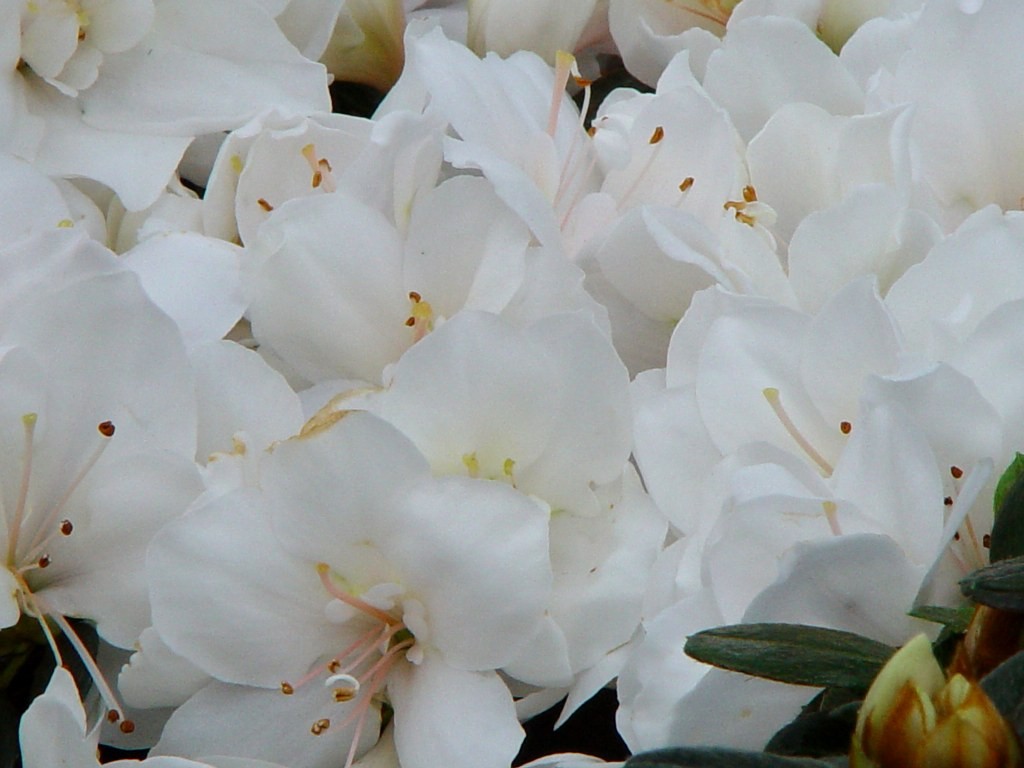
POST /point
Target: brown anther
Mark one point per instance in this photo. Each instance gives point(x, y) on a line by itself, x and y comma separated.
point(81, 34)
point(106, 428)
point(956, 472)
point(264, 205)
point(113, 715)
point(127, 726)
point(43, 561)
point(287, 689)
point(415, 297)
point(317, 179)
point(341, 695)
point(956, 536)
point(592, 131)
point(948, 501)
point(657, 135)
point(744, 218)
point(582, 82)
point(66, 527)
point(986, 541)
point(411, 322)
point(845, 427)
point(320, 726)
point(686, 183)
point(333, 666)
point(749, 194)
point(325, 164)
point(732, 205)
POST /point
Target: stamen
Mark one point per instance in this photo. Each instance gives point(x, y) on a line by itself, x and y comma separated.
point(830, 515)
point(322, 171)
point(564, 63)
point(264, 205)
point(956, 472)
point(28, 421)
point(347, 687)
point(323, 571)
point(45, 531)
point(320, 726)
point(845, 427)
point(286, 688)
point(508, 466)
point(657, 135)
point(771, 394)
point(66, 528)
point(749, 194)
point(685, 184)
point(105, 692)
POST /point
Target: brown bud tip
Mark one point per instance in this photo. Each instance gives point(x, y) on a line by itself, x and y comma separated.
point(106, 428)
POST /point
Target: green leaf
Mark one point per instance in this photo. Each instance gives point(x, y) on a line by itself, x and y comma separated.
point(1000, 585)
point(1008, 505)
point(817, 734)
point(793, 653)
point(953, 619)
point(1005, 686)
point(716, 757)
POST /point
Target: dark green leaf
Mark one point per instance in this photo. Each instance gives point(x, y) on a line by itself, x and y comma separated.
point(1005, 686)
point(817, 734)
point(954, 619)
point(715, 757)
point(1008, 529)
point(1000, 585)
point(792, 653)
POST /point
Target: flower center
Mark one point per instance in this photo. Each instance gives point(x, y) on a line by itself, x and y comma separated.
point(30, 532)
point(358, 673)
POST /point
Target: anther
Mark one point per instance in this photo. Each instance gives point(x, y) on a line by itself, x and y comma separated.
point(749, 194)
point(347, 687)
point(956, 536)
point(317, 179)
point(113, 715)
point(948, 501)
point(106, 428)
point(956, 472)
point(657, 135)
point(415, 297)
point(66, 527)
point(264, 205)
point(333, 666)
point(127, 726)
point(287, 689)
point(43, 561)
point(986, 541)
point(410, 322)
point(845, 427)
point(320, 726)
point(686, 183)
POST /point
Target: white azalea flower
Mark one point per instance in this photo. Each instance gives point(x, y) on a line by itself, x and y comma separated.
point(408, 604)
point(80, 101)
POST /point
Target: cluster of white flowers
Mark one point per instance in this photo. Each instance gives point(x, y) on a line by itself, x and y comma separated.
point(410, 427)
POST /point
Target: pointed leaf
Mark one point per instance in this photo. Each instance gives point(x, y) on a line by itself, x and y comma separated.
point(1000, 585)
point(1005, 686)
point(792, 653)
point(1008, 529)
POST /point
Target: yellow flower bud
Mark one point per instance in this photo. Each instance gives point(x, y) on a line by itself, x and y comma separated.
point(912, 717)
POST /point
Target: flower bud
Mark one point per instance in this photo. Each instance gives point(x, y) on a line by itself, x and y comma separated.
point(912, 717)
